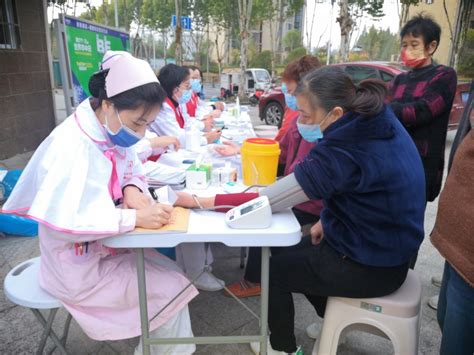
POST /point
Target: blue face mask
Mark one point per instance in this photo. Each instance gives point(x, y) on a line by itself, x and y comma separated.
point(196, 85)
point(185, 97)
point(289, 99)
point(124, 137)
point(311, 132)
point(291, 102)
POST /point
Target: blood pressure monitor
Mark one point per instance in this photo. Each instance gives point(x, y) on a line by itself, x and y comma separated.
point(254, 214)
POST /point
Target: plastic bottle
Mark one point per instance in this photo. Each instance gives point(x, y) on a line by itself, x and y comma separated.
point(192, 137)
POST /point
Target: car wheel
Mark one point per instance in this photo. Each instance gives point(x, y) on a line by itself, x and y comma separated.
point(273, 114)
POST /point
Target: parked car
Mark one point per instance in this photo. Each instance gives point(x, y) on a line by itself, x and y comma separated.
point(272, 103)
point(255, 79)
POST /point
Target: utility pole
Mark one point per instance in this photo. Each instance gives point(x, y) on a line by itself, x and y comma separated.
point(178, 52)
point(116, 13)
point(207, 54)
point(154, 49)
point(330, 33)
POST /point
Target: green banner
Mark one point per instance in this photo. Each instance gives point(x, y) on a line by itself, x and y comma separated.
point(87, 44)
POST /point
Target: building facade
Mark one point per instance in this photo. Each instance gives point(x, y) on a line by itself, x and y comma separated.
point(27, 112)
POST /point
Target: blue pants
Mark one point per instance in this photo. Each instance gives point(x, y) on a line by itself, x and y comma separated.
point(456, 314)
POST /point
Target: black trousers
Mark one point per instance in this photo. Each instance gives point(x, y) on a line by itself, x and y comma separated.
point(319, 271)
point(254, 258)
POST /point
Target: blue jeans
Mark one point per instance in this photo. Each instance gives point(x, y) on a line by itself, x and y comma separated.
point(456, 314)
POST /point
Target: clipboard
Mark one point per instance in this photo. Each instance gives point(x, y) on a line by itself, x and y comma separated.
point(179, 223)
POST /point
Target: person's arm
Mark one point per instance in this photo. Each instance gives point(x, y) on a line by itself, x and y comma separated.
point(437, 98)
point(282, 194)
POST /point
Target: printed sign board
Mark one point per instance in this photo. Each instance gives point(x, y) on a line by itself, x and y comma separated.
point(86, 45)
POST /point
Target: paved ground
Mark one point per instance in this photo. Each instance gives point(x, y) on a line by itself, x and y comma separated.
point(20, 332)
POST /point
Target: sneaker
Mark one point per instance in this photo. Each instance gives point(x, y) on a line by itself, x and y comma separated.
point(255, 346)
point(433, 302)
point(312, 331)
point(436, 281)
point(208, 282)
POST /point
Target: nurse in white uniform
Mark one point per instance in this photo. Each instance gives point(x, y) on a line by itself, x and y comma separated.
point(84, 183)
point(171, 120)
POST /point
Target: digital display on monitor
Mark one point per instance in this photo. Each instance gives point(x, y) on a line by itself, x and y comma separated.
point(250, 208)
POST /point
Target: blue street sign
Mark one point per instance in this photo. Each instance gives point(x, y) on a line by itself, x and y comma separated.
point(185, 22)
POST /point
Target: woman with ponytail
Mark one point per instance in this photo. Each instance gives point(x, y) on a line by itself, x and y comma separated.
point(366, 171)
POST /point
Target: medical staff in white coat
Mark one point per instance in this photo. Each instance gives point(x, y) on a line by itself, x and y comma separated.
point(192, 257)
point(197, 108)
point(171, 121)
point(85, 183)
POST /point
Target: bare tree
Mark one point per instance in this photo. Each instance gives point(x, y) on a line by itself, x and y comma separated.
point(245, 13)
point(346, 23)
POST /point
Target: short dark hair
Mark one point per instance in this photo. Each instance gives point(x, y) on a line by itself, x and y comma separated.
point(329, 87)
point(148, 96)
point(171, 76)
point(422, 26)
point(193, 67)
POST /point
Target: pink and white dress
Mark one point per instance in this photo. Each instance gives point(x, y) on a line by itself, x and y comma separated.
point(69, 187)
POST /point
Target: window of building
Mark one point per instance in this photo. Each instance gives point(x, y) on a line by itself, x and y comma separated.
point(9, 27)
point(298, 20)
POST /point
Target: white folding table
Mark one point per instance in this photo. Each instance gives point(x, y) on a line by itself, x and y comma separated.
point(206, 226)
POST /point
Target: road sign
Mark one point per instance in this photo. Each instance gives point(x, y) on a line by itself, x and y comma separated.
point(185, 22)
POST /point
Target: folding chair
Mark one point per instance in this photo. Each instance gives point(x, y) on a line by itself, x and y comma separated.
point(22, 288)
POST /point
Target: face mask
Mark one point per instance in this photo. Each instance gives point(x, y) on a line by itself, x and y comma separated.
point(124, 137)
point(185, 97)
point(413, 59)
point(311, 132)
point(290, 100)
point(196, 85)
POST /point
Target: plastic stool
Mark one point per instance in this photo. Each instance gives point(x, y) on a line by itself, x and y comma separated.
point(22, 288)
point(395, 317)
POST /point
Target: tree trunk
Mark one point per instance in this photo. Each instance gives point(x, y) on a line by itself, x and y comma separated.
point(311, 31)
point(281, 19)
point(462, 25)
point(179, 50)
point(272, 48)
point(404, 15)
point(346, 24)
point(245, 12)
point(218, 52)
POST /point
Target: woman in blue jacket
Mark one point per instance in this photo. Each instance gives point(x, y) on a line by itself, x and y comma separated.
point(366, 170)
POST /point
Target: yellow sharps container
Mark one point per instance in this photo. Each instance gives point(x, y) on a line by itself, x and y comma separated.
point(259, 161)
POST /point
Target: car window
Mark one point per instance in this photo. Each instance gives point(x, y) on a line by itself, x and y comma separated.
point(387, 77)
point(262, 76)
point(464, 96)
point(361, 73)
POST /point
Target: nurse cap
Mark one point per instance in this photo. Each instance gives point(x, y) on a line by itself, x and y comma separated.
point(125, 72)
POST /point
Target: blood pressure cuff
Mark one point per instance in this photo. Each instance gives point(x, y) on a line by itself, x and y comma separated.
point(284, 193)
point(233, 199)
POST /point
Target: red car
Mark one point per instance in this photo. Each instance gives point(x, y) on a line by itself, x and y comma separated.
point(272, 103)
